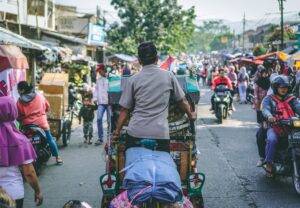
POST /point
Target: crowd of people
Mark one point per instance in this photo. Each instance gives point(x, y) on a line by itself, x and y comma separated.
point(275, 97)
point(273, 82)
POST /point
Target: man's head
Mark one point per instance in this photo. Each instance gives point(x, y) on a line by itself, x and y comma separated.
point(24, 88)
point(147, 53)
point(86, 101)
point(222, 72)
point(101, 70)
point(280, 86)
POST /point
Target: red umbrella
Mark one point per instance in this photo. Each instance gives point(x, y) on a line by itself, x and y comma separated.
point(12, 57)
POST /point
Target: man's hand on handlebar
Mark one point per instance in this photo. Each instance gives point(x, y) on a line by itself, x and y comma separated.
point(116, 135)
point(271, 119)
point(193, 116)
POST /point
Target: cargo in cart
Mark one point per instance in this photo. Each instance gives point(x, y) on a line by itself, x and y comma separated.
point(55, 89)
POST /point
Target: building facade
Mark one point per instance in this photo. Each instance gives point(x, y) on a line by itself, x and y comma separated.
point(29, 12)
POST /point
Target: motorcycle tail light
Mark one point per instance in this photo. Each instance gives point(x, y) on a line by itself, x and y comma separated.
point(296, 123)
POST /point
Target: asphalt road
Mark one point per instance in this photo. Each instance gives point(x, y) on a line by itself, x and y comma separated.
point(228, 158)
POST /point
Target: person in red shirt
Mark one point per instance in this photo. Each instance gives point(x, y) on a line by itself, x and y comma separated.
point(221, 79)
point(32, 109)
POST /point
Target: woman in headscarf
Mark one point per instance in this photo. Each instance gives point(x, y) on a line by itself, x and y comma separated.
point(262, 84)
point(233, 77)
point(16, 155)
point(243, 79)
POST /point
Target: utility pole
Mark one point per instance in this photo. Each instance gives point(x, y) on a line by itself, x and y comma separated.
point(281, 8)
point(244, 29)
point(19, 20)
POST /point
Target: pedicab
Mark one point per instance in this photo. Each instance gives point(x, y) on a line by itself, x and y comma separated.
point(182, 147)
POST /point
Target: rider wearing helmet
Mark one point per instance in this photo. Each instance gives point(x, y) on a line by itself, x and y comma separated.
point(222, 79)
point(275, 107)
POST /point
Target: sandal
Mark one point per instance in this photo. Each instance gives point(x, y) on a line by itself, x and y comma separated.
point(59, 161)
point(269, 173)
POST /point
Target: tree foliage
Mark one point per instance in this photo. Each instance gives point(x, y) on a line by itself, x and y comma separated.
point(162, 21)
point(259, 50)
point(212, 35)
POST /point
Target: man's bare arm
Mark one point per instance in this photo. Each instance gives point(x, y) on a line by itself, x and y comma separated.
point(121, 121)
point(184, 105)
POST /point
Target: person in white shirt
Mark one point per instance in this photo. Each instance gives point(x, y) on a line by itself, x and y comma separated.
point(101, 99)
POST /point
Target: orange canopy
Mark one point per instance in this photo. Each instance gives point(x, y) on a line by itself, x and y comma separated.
point(12, 57)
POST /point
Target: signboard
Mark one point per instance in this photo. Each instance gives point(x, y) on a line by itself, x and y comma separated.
point(96, 35)
point(73, 25)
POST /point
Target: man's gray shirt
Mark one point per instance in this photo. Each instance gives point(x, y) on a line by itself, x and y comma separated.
point(147, 94)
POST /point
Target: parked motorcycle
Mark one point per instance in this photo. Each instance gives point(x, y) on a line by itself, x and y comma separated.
point(287, 156)
point(221, 102)
point(250, 93)
point(39, 142)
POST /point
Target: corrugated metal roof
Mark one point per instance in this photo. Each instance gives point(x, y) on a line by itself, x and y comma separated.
point(66, 37)
point(8, 37)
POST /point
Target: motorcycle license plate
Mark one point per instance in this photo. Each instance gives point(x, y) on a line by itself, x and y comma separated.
point(295, 138)
point(221, 93)
point(36, 140)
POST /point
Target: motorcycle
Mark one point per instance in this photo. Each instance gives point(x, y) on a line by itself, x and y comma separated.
point(250, 93)
point(39, 142)
point(287, 156)
point(221, 102)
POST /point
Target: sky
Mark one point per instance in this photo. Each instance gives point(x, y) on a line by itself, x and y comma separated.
point(231, 10)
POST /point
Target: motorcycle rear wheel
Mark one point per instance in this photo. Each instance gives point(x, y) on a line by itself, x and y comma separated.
point(296, 183)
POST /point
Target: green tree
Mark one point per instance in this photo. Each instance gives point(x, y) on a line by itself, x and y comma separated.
point(210, 36)
point(162, 21)
point(259, 50)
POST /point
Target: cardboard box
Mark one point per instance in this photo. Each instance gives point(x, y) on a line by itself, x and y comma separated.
point(56, 83)
point(57, 108)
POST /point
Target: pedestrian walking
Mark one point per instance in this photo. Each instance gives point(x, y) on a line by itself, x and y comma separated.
point(233, 78)
point(243, 80)
point(16, 155)
point(87, 113)
point(262, 84)
point(101, 99)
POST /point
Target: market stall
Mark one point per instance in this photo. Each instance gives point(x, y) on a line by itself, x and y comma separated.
point(13, 66)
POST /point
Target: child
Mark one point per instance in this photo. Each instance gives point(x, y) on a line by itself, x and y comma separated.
point(87, 113)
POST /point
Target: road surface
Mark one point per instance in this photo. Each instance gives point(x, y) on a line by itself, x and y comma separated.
point(228, 158)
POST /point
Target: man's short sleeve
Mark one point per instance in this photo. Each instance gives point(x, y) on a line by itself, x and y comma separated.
point(126, 100)
point(177, 90)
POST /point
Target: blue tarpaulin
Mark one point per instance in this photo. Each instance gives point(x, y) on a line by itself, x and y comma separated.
point(151, 174)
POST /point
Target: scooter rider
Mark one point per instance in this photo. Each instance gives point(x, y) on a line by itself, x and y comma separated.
point(147, 96)
point(221, 79)
point(275, 107)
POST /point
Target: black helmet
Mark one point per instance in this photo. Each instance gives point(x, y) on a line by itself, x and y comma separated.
point(261, 69)
point(280, 81)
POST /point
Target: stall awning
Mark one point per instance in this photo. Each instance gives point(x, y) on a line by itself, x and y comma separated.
point(65, 37)
point(123, 57)
point(12, 57)
point(7, 37)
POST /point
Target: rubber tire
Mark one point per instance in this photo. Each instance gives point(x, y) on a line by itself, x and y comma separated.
point(66, 133)
point(219, 114)
point(198, 202)
point(105, 201)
